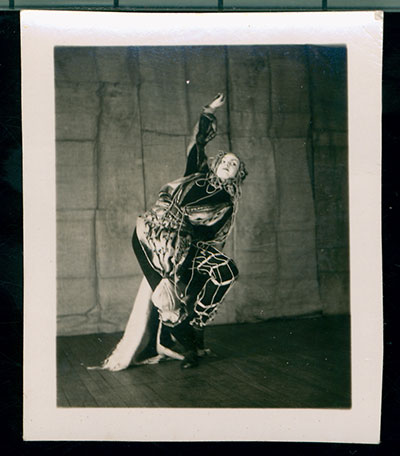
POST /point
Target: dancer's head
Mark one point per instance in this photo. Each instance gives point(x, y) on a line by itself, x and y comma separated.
point(228, 167)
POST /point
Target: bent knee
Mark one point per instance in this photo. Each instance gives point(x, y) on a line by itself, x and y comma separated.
point(234, 269)
point(226, 273)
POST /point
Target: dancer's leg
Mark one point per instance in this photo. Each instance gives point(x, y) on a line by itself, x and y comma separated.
point(184, 334)
point(221, 273)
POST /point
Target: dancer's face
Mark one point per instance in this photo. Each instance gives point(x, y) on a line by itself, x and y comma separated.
point(228, 167)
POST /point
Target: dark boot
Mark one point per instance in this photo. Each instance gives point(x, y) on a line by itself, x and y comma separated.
point(201, 350)
point(199, 338)
point(184, 334)
point(190, 360)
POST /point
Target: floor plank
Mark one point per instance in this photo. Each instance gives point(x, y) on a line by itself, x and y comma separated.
point(74, 389)
point(291, 363)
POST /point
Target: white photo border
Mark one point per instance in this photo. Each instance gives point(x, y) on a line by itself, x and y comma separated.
point(362, 33)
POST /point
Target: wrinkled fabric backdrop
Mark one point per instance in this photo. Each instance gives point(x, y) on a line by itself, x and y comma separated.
point(123, 119)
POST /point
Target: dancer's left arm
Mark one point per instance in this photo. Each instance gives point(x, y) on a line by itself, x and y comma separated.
point(204, 131)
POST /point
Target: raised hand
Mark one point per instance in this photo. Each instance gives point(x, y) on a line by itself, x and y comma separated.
point(217, 102)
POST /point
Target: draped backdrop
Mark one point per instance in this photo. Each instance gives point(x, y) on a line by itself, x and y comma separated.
point(124, 116)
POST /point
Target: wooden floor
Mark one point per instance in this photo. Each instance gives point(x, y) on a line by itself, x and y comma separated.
point(291, 363)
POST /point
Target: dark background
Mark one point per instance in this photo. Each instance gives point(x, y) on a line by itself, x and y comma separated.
point(11, 271)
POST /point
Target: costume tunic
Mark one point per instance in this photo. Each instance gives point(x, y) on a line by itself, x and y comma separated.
point(177, 238)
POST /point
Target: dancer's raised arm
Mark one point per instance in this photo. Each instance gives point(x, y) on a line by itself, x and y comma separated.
point(204, 131)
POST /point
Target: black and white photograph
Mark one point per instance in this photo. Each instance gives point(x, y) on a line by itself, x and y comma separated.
point(193, 183)
point(201, 219)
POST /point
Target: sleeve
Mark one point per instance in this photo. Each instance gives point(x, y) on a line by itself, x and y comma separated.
point(205, 130)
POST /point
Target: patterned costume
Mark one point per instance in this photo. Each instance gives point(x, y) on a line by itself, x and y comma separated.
point(176, 243)
point(177, 238)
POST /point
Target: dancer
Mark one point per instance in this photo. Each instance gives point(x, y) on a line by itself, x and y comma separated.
point(177, 243)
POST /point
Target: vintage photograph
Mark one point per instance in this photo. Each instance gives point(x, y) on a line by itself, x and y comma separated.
point(202, 254)
point(202, 226)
